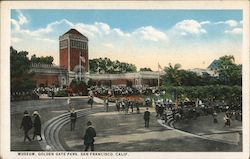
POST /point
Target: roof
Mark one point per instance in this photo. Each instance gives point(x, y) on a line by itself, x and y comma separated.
point(214, 65)
point(75, 32)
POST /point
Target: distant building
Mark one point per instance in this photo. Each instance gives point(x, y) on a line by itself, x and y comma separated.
point(201, 72)
point(214, 65)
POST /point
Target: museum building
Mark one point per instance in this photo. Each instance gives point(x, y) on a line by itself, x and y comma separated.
point(74, 64)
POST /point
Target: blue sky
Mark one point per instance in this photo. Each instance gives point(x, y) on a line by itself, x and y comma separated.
point(151, 36)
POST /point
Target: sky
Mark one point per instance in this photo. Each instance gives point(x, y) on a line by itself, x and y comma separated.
point(192, 38)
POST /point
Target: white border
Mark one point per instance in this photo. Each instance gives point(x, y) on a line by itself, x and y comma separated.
point(6, 6)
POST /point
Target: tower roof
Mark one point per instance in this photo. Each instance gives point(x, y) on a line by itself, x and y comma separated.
point(75, 32)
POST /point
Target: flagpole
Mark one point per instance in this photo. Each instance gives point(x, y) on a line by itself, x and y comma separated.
point(80, 66)
point(158, 77)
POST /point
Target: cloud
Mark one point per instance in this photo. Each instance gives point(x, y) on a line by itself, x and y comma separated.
point(38, 32)
point(191, 27)
point(105, 28)
point(21, 18)
point(235, 31)
point(108, 45)
point(15, 24)
point(96, 29)
point(150, 33)
point(205, 22)
point(231, 22)
point(121, 33)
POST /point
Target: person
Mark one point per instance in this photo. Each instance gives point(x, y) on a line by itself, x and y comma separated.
point(69, 104)
point(132, 106)
point(146, 118)
point(161, 110)
point(26, 125)
point(106, 104)
point(123, 105)
point(157, 109)
point(68, 101)
point(117, 104)
point(91, 101)
point(137, 108)
point(89, 140)
point(165, 117)
point(126, 107)
point(227, 121)
point(215, 117)
point(52, 94)
point(73, 117)
point(37, 125)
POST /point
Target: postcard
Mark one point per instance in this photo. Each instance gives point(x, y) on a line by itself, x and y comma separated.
point(127, 79)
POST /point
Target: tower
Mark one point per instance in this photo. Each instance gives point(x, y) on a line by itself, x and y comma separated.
point(73, 48)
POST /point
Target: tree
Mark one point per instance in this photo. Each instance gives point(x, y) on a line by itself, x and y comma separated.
point(145, 69)
point(105, 65)
point(172, 75)
point(229, 72)
point(188, 78)
point(42, 59)
point(21, 78)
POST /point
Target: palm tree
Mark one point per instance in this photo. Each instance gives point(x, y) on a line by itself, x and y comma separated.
point(172, 75)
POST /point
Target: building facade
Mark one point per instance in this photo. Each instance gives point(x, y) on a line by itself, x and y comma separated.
point(74, 64)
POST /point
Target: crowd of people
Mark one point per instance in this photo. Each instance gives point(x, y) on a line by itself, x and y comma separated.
point(125, 105)
point(24, 95)
point(121, 90)
point(192, 110)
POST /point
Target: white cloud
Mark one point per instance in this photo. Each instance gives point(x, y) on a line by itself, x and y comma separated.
point(108, 45)
point(20, 21)
point(205, 22)
point(150, 33)
point(235, 31)
point(231, 23)
point(21, 18)
point(190, 26)
point(105, 28)
point(96, 29)
point(15, 24)
point(50, 27)
point(41, 31)
point(120, 33)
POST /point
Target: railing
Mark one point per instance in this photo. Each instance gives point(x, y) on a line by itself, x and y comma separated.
point(51, 66)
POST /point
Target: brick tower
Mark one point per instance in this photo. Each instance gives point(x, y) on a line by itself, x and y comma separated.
point(74, 51)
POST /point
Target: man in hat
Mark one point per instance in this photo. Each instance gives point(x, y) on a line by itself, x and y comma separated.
point(89, 137)
point(146, 118)
point(73, 117)
point(91, 101)
point(26, 125)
